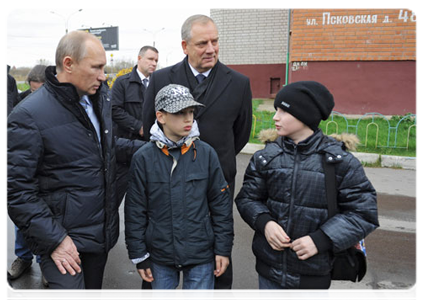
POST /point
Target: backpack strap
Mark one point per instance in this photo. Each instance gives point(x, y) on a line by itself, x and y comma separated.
point(330, 184)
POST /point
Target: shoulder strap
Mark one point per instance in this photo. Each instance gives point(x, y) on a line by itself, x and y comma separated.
point(330, 184)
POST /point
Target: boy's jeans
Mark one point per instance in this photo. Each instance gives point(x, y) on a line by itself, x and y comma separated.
point(21, 249)
point(270, 290)
point(197, 277)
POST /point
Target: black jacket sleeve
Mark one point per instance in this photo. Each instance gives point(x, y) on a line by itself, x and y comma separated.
point(251, 200)
point(242, 126)
point(120, 116)
point(148, 110)
point(27, 209)
point(126, 148)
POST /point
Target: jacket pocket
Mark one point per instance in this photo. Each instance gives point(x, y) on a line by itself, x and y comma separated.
point(57, 204)
point(196, 185)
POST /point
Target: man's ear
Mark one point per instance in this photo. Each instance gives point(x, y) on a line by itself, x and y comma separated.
point(161, 117)
point(68, 64)
point(184, 47)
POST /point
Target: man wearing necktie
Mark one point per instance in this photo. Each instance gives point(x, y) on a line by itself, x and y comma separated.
point(127, 102)
point(225, 121)
point(62, 167)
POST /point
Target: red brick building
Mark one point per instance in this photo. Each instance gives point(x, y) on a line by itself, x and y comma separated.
point(367, 57)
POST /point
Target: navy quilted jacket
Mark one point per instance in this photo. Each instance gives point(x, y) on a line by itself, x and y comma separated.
point(285, 182)
point(178, 207)
point(60, 180)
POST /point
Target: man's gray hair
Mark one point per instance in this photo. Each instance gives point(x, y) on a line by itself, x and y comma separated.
point(73, 45)
point(187, 26)
point(146, 48)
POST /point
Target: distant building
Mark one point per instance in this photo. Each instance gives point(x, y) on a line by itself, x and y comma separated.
point(366, 57)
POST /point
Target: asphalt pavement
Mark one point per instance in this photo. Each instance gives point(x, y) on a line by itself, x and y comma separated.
point(391, 248)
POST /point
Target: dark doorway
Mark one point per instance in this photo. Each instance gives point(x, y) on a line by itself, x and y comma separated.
point(275, 85)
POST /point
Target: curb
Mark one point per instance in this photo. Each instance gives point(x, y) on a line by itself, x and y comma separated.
point(387, 161)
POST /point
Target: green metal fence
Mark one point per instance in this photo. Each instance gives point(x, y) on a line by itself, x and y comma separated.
point(373, 129)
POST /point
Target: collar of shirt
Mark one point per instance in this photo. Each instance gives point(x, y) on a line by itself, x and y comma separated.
point(141, 75)
point(86, 99)
point(195, 72)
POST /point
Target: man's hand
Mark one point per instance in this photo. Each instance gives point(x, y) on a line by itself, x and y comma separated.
point(276, 236)
point(141, 132)
point(304, 247)
point(66, 257)
point(222, 263)
point(146, 274)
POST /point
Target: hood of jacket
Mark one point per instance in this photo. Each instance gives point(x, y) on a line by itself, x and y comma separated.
point(349, 140)
point(158, 136)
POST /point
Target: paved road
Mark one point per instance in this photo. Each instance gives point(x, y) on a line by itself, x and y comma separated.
point(391, 249)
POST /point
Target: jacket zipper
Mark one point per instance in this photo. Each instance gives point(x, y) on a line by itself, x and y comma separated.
point(291, 209)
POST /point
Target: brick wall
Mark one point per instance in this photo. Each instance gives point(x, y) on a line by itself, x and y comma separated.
point(251, 36)
point(352, 35)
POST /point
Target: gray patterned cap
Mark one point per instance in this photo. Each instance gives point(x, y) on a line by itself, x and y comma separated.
point(174, 98)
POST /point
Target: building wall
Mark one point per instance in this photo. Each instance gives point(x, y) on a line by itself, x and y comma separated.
point(251, 36)
point(353, 35)
point(359, 87)
point(366, 57)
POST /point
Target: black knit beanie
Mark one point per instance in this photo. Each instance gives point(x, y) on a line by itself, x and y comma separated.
point(308, 101)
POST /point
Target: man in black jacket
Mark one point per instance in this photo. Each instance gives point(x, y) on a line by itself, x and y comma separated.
point(61, 167)
point(12, 92)
point(225, 121)
point(127, 100)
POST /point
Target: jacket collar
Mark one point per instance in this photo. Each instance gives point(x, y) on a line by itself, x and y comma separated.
point(134, 77)
point(316, 143)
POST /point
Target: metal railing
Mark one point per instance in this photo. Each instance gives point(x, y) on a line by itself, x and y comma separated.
point(371, 128)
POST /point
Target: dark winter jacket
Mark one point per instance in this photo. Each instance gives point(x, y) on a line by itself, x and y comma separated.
point(60, 180)
point(225, 121)
point(181, 217)
point(285, 183)
point(12, 92)
point(127, 101)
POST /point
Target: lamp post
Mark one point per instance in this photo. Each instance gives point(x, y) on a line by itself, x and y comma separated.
point(154, 34)
point(66, 18)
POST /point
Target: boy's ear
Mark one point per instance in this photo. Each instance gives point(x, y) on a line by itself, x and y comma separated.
point(160, 117)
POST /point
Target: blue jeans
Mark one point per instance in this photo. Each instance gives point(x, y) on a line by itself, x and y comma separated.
point(270, 290)
point(197, 277)
point(21, 249)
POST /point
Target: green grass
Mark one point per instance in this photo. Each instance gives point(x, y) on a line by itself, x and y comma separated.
point(23, 86)
point(369, 130)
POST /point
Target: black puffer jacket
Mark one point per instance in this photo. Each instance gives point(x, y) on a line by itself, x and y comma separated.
point(13, 97)
point(286, 183)
point(60, 181)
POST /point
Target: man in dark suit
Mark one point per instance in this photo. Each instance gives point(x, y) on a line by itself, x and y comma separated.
point(127, 101)
point(225, 121)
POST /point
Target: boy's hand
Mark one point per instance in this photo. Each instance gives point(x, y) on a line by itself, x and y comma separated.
point(222, 263)
point(146, 274)
point(304, 247)
point(276, 236)
point(144, 269)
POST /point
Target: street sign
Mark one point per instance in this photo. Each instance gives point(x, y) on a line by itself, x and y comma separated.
point(109, 36)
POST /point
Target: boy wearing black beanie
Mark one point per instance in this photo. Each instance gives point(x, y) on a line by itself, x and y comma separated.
point(283, 197)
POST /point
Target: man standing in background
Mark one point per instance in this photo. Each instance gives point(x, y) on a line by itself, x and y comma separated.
point(127, 103)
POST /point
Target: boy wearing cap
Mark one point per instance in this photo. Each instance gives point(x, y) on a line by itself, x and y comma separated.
point(283, 197)
point(178, 210)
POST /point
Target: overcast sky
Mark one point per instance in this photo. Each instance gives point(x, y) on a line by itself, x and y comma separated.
point(33, 34)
